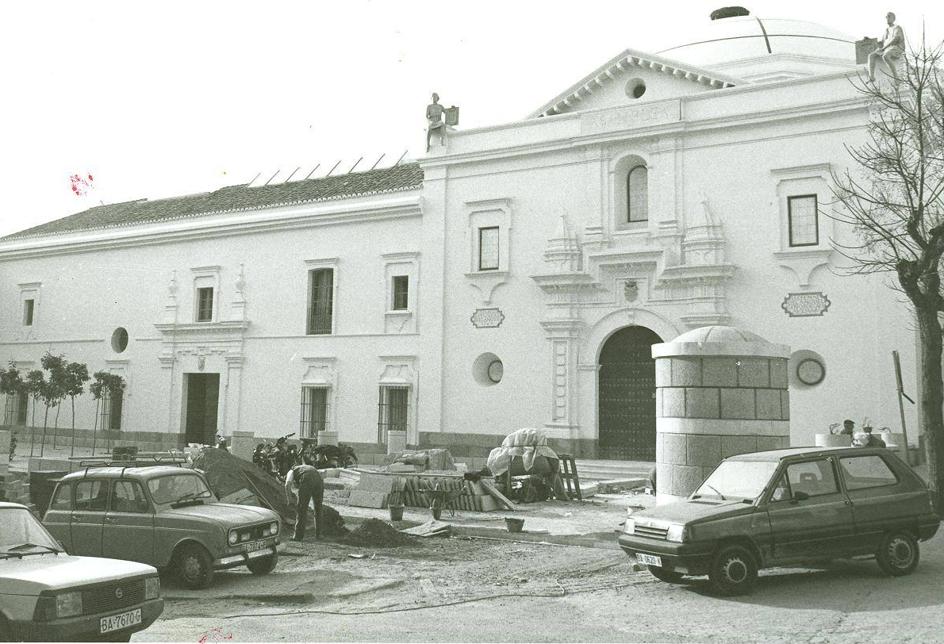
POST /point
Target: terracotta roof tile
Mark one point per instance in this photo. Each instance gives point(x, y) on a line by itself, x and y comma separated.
point(407, 176)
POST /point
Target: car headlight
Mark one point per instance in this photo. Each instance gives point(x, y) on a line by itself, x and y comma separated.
point(69, 604)
point(630, 526)
point(152, 588)
point(233, 537)
point(274, 527)
point(676, 533)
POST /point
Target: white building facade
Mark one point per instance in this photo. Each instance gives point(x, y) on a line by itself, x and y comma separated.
point(515, 277)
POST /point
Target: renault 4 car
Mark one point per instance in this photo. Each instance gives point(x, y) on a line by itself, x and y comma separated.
point(48, 595)
point(802, 505)
point(164, 516)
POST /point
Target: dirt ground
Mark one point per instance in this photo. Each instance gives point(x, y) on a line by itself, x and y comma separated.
point(461, 589)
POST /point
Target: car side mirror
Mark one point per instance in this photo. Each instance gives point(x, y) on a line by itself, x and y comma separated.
point(800, 496)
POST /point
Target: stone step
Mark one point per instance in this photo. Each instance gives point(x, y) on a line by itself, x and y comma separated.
point(605, 470)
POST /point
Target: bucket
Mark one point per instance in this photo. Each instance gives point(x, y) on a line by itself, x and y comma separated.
point(396, 512)
point(513, 524)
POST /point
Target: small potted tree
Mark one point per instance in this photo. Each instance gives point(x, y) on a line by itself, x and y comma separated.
point(395, 499)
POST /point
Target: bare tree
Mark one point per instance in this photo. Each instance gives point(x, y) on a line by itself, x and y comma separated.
point(893, 201)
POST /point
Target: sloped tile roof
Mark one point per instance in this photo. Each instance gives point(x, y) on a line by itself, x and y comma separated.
point(407, 176)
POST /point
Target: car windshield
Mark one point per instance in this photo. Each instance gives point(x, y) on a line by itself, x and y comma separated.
point(738, 480)
point(178, 488)
point(21, 534)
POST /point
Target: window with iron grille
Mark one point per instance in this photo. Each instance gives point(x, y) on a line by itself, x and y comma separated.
point(111, 409)
point(320, 301)
point(637, 194)
point(488, 248)
point(401, 292)
point(205, 304)
point(314, 416)
point(28, 306)
point(803, 220)
point(393, 411)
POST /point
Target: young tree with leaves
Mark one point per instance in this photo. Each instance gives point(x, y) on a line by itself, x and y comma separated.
point(11, 384)
point(104, 383)
point(35, 385)
point(53, 390)
point(76, 376)
point(893, 201)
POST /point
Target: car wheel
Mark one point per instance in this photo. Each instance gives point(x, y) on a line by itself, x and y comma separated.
point(194, 566)
point(733, 571)
point(668, 576)
point(263, 565)
point(898, 554)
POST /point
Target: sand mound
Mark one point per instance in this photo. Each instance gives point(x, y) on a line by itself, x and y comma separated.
point(374, 533)
point(333, 523)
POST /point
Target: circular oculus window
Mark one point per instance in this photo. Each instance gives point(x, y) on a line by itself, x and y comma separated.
point(810, 371)
point(636, 88)
point(119, 339)
point(495, 371)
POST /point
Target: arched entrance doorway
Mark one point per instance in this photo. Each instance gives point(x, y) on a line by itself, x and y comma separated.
point(627, 396)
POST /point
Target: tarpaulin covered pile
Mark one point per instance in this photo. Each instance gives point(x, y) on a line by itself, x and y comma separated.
point(234, 480)
point(526, 448)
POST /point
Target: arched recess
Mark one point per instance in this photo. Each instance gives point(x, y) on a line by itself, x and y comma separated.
point(627, 395)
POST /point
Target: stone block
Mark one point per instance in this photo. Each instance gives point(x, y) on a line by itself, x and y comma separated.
point(673, 449)
point(778, 373)
point(663, 372)
point(686, 372)
point(765, 443)
point(731, 445)
point(673, 402)
point(704, 451)
point(701, 402)
point(737, 403)
point(785, 405)
point(719, 372)
point(362, 499)
point(658, 402)
point(769, 404)
point(754, 372)
point(685, 480)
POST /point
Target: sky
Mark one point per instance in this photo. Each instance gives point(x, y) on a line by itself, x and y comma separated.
point(156, 99)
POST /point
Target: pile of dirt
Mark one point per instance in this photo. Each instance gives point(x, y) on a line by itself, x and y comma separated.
point(374, 533)
point(332, 523)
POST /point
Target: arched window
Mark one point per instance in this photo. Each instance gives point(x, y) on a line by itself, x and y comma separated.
point(637, 194)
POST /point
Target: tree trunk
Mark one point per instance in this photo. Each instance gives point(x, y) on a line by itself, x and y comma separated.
point(33, 428)
point(95, 425)
point(72, 448)
point(932, 402)
point(42, 445)
point(55, 427)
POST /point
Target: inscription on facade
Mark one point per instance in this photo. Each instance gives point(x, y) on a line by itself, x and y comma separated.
point(487, 318)
point(632, 117)
point(804, 305)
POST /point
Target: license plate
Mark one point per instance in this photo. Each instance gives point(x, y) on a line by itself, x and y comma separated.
point(118, 622)
point(649, 560)
point(252, 546)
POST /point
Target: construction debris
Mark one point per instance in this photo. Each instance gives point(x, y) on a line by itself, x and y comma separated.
point(419, 491)
point(430, 529)
point(374, 533)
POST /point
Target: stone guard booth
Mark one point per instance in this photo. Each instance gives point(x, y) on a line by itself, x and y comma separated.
point(720, 391)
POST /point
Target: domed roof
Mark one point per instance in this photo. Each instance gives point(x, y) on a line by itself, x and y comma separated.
point(744, 37)
point(720, 340)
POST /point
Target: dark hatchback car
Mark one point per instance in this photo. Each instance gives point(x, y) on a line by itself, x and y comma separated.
point(802, 505)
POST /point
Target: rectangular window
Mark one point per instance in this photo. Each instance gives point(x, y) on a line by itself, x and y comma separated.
point(488, 248)
point(314, 416)
point(393, 412)
point(861, 472)
point(28, 312)
point(320, 301)
point(63, 498)
point(15, 409)
point(803, 216)
point(815, 478)
point(205, 304)
point(127, 496)
point(91, 496)
point(401, 292)
point(111, 409)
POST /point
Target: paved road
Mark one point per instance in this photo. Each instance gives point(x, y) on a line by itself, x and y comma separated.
point(457, 590)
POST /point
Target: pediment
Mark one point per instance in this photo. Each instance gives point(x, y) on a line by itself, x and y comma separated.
point(634, 77)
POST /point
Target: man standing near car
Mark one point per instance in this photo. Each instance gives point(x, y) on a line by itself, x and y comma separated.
point(306, 484)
